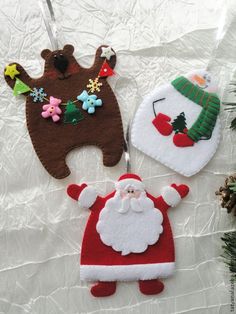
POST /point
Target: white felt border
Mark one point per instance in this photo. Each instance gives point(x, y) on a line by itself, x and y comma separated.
point(126, 272)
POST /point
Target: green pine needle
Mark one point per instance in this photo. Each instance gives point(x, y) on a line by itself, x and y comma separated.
point(232, 186)
point(229, 254)
point(231, 106)
point(233, 124)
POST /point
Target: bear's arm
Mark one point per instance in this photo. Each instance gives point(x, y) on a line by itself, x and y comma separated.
point(98, 62)
point(23, 76)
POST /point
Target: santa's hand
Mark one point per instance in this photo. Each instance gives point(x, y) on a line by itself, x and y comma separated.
point(85, 195)
point(173, 194)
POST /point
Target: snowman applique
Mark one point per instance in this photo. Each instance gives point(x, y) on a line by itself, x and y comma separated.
point(180, 123)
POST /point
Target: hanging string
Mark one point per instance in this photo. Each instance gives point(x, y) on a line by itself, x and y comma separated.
point(50, 22)
point(127, 151)
point(219, 38)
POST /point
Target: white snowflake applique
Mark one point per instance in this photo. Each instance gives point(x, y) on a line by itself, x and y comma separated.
point(94, 85)
point(38, 94)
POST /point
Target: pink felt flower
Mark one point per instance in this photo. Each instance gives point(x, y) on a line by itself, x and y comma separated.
point(52, 109)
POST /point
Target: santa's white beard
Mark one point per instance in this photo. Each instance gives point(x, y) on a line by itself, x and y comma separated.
point(130, 226)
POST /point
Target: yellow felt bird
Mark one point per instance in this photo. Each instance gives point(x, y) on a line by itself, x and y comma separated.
point(11, 71)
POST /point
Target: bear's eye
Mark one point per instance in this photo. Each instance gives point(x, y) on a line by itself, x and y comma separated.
point(55, 56)
point(61, 55)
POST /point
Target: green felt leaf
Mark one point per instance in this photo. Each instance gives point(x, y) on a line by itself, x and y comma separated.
point(20, 87)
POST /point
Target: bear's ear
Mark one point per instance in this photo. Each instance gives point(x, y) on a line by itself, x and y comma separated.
point(45, 53)
point(69, 49)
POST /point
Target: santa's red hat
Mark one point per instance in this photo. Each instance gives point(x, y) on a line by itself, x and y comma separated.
point(130, 179)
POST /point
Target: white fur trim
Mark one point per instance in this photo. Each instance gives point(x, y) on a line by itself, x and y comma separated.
point(126, 272)
point(133, 182)
point(87, 197)
point(170, 196)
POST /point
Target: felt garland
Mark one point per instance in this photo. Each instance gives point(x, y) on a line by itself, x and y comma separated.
point(72, 114)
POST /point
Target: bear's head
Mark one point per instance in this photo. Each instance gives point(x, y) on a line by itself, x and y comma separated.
point(60, 64)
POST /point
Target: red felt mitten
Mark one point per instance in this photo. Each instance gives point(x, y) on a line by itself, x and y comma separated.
point(161, 123)
point(173, 194)
point(86, 195)
point(182, 140)
point(182, 189)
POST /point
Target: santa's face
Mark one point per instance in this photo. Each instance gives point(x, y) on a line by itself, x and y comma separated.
point(130, 192)
point(129, 222)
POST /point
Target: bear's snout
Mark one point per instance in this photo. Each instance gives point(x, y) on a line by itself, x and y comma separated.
point(61, 63)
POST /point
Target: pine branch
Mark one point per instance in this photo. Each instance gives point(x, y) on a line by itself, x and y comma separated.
point(232, 187)
point(231, 106)
point(233, 124)
point(229, 254)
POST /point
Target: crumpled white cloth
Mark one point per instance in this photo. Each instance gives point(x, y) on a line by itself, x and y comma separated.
point(40, 227)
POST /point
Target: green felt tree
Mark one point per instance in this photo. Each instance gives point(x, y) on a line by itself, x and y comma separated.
point(72, 114)
point(179, 123)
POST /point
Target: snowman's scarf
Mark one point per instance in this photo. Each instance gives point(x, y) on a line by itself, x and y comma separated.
point(210, 103)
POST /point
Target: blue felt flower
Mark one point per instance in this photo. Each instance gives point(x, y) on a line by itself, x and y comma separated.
point(89, 101)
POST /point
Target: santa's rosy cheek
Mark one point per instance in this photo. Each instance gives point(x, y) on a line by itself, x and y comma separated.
point(123, 194)
point(137, 194)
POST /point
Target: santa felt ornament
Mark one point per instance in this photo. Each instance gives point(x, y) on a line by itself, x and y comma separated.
point(128, 235)
point(180, 123)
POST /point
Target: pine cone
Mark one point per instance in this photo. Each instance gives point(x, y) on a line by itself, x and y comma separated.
point(227, 194)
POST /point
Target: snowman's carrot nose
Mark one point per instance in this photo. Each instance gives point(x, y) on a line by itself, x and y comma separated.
point(199, 79)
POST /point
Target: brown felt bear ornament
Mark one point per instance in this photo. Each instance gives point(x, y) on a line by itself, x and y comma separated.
point(65, 79)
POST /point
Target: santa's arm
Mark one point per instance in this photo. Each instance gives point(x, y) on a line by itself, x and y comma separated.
point(85, 195)
point(171, 196)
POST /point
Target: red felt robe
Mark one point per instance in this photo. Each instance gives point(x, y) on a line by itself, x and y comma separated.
point(101, 262)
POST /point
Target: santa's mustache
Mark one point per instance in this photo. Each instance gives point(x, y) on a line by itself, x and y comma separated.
point(131, 203)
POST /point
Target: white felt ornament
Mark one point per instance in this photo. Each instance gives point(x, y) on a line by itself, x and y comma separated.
point(180, 124)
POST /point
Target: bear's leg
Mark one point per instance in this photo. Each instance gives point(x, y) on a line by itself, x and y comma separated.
point(103, 288)
point(149, 287)
point(112, 153)
point(53, 160)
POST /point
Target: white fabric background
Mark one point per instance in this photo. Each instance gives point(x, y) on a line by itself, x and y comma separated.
point(40, 227)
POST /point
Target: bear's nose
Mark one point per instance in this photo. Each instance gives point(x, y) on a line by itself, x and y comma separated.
point(61, 63)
